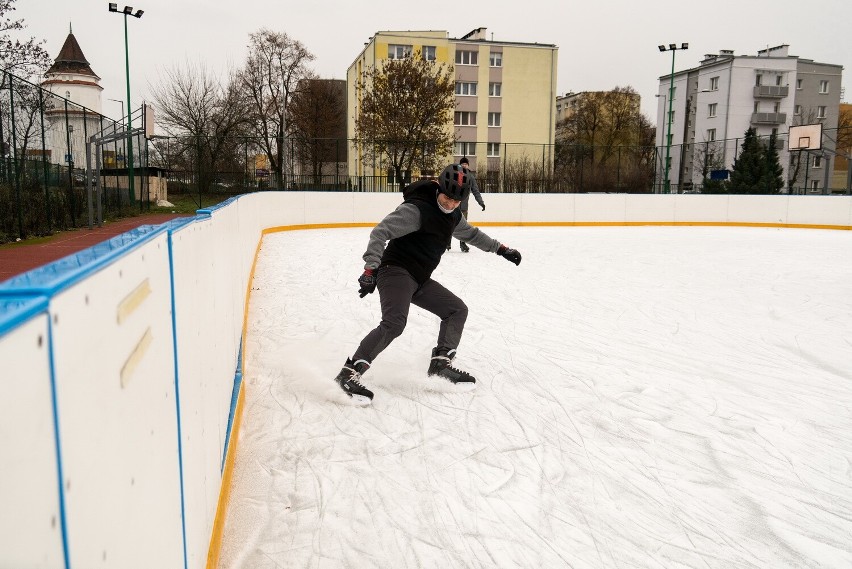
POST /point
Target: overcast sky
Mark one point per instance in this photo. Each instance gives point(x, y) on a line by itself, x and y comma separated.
point(601, 44)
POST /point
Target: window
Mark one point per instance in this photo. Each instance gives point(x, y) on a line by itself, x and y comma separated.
point(820, 112)
point(674, 90)
point(711, 134)
point(823, 86)
point(399, 51)
point(429, 52)
point(758, 80)
point(465, 88)
point(799, 84)
point(756, 107)
point(496, 59)
point(797, 110)
point(778, 79)
point(815, 185)
point(711, 109)
point(464, 149)
point(465, 118)
point(494, 119)
point(671, 116)
point(464, 57)
point(670, 138)
point(495, 89)
point(714, 83)
point(776, 108)
point(493, 149)
point(817, 162)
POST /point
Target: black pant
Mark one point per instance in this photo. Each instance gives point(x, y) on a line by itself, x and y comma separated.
point(397, 292)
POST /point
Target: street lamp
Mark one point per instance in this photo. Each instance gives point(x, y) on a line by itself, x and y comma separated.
point(672, 47)
point(128, 11)
point(120, 102)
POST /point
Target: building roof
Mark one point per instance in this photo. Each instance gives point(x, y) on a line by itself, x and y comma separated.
point(71, 59)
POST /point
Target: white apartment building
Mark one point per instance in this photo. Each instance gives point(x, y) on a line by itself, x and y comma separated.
point(715, 103)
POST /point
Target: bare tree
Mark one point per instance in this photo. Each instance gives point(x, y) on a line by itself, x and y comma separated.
point(604, 143)
point(318, 121)
point(203, 115)
point(275, 66)
point(405, 110)
point(24, 58)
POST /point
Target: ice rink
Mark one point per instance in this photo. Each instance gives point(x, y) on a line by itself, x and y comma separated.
point(647, 397)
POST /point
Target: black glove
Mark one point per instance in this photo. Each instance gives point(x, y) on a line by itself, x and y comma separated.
point(367, 282)
point(483, 207)
point(510, 254)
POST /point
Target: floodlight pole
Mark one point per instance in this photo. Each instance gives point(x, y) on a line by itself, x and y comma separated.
point(130, 183)
point(672, 47)
point(128, 11)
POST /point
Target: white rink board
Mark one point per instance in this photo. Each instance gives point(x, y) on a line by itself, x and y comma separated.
point(117, 414)
point(30, 530)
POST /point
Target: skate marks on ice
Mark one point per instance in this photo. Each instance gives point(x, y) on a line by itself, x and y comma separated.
point(647, 397)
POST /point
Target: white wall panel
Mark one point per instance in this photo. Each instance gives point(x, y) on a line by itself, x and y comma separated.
point(30, 528)
point(532, 208)
point(701, 209)
point(117, 415)
point(656, 207)
point(757, 209)
point(600, 207)
point(819, 210)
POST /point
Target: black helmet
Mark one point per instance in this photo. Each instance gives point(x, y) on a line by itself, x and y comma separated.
point(454, 182)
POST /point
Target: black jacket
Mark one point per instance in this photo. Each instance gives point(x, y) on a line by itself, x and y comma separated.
point(420, 252)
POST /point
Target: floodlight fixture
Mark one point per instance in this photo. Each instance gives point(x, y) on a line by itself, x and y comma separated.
point(684, 46)
point(113, 7)
point(672, 46)
point(128, 10)
point(662, 47)
point(139, 13)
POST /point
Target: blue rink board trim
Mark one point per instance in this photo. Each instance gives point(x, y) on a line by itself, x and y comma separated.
point(235, 394)
point(15, 310)
point(59, 275)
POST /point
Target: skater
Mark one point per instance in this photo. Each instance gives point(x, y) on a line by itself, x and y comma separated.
point(416, 233)
point(474, 189)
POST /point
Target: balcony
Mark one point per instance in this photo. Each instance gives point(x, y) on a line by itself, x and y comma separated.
point(768, 118)
point(771, 91)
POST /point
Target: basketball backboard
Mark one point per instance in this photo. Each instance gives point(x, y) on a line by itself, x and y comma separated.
point(806, 137)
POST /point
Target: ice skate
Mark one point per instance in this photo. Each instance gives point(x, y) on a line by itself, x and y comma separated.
point(464, 247)
point(440, 366)
point(349, 381)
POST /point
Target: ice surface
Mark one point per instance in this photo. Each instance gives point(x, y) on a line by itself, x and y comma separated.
point(648, 397)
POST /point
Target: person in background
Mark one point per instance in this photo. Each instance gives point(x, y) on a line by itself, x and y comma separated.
point(474, 189)
point(416, 233)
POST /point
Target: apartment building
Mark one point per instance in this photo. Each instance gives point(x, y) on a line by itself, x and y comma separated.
point(504, 94)
point(715, 103)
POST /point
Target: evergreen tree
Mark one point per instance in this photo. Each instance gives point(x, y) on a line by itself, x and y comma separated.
point(773, 175)
point(749, 169)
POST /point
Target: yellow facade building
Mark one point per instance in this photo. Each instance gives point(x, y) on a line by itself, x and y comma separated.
point(505, 93)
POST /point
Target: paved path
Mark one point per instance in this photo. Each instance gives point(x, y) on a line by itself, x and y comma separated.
point(22, 257)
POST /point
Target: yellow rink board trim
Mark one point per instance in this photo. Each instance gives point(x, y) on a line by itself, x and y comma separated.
point(133, 300)
point(135, 357)
point(215, 547)
point(225, 490)
point(583, 224)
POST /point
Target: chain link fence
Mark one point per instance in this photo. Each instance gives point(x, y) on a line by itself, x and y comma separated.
point(44, 185)
point(43, 178)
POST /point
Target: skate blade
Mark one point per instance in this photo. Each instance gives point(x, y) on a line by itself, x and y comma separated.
point(360, 400)
point(463, 387)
